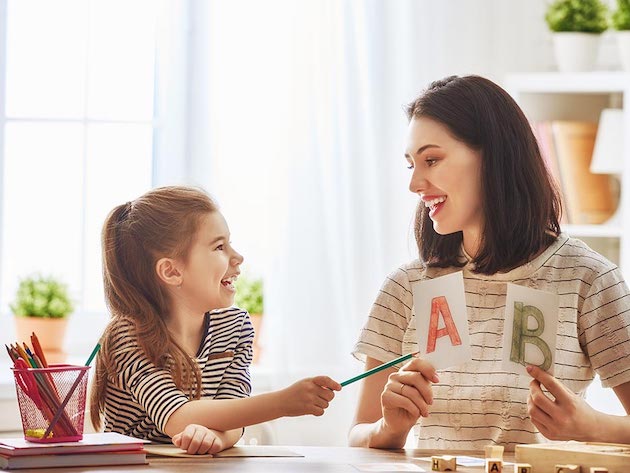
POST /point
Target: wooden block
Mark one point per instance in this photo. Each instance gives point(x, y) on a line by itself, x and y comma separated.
point(494, 465)
point(598, 469)
point(494, 451)
point(522, 468)
point(543, 457)
point(568, 469)
point(443, 463)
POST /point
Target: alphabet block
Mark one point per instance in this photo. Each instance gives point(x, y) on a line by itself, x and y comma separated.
point(443, 463)
point(568, 469)
point(494, 451)
point(494, 465)
point(522, 468)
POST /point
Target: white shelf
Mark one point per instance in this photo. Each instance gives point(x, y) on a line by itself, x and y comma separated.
point(604, 82)
point(556, 95)
point(601, 231)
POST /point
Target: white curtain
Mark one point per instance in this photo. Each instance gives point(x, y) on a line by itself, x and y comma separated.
point(295, 123)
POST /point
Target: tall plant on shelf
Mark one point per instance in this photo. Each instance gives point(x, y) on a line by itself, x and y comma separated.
point(42, 305)
point(249, 296)
point(576, 26)
point(620, 21)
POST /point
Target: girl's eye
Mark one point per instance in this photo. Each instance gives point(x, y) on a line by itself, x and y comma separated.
point(220, 248)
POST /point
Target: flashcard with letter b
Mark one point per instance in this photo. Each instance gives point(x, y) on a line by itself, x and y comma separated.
point(442, 320)
point(529, 333)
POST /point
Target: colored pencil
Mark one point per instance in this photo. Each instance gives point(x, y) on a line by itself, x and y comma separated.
point(389, 364)
point(38, 349)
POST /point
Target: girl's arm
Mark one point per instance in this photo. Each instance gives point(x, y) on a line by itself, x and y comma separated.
point(308, 396)
point(569, 417)
point(390, 403)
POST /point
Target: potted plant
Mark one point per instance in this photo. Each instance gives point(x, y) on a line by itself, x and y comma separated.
point(577, 26)
point(42, 305)
point(249, 296)
point(621, 23)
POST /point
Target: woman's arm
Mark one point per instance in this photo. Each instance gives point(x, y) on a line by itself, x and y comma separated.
point(569, 417)
point(308, 396)
point(390, 403)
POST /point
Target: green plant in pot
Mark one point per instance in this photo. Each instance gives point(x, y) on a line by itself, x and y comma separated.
point(620, 21)
point(42, 305)
point(249, 296)
point(577, 26)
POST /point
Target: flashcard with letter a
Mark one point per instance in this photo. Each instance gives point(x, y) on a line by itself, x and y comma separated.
point(530, 328)
point(442, 320)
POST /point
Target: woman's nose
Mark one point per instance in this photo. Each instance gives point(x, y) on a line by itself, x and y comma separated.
point(417, 183)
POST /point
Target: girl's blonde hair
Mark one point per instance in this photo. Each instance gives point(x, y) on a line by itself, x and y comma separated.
point(161, 223)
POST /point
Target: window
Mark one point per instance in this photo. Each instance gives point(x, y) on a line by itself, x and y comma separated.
point(77, 132)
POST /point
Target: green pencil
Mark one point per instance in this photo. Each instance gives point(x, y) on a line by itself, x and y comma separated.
point(400, 359)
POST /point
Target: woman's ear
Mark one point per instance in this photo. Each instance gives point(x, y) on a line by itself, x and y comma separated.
point(169, 272)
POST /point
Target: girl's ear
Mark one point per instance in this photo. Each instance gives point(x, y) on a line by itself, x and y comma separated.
point(169, 272)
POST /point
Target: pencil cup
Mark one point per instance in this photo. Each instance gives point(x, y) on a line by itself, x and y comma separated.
point(52, 402)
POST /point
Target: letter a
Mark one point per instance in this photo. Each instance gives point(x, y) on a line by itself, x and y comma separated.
point(439, 305)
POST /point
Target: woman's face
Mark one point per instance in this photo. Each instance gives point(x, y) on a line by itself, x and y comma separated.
point(447, 177)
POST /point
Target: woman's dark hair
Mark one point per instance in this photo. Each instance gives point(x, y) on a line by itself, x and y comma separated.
point(521, 202)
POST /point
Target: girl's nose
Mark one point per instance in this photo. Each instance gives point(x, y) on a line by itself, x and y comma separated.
point(237, 258)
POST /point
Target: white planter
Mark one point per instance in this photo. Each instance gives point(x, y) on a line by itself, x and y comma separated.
point(623, 43)
point(576, 52)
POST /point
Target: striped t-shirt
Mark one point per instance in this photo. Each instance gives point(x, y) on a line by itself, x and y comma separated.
point(141, 397)
point(477, 403)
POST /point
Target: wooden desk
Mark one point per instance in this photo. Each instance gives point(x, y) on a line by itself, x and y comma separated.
point(315, 460)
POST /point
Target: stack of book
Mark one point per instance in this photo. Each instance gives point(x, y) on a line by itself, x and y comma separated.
point(94, 450)
point(567, 147)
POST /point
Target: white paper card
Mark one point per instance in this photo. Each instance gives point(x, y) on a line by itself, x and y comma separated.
point(442, 320)
point(531, 324)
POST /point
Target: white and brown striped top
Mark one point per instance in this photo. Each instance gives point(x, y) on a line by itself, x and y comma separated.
point(477, 403)
point(142, 397)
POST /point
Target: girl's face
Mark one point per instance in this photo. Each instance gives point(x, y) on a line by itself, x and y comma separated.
point(447, 177)
point(212, 266)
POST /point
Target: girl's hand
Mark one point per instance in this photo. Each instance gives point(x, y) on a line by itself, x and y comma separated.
point(198, 440)
point(408, 395)
point(567, 417)
point(308, 396)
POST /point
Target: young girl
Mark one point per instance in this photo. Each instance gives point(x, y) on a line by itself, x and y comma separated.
point(175, 356)
point(489, 208)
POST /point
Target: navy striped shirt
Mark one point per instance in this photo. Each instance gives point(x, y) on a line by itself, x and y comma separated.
point(141, 397)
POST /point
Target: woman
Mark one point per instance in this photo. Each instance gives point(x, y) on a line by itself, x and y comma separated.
point(489, 208)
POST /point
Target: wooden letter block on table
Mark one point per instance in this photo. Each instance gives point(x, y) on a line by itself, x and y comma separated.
point(522, 468)
point(494, 451)
point(568, 469)
point(443, 463)
point(494, 465)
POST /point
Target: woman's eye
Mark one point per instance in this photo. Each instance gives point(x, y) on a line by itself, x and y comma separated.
point(430, 161)
point(410, 166)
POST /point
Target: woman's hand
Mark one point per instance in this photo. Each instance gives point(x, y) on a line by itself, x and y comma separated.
point(567, 417)
point(198, 440)
point(408, 395)
point(308, 396)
